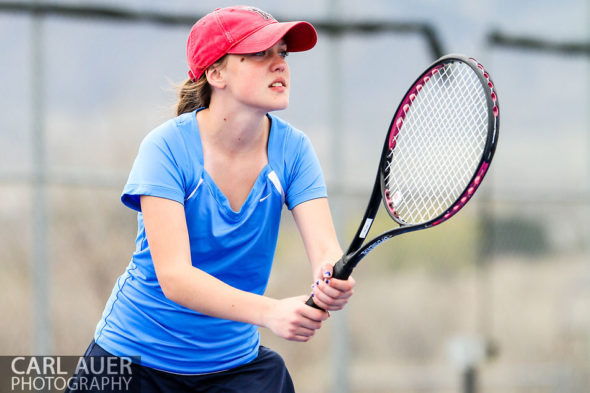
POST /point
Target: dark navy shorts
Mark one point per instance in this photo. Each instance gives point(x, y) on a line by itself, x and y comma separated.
point(265, 374)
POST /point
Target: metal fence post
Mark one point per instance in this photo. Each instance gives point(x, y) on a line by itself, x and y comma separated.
point(39, 265)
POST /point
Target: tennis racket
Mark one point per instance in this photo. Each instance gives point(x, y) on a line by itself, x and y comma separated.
point(438, 149)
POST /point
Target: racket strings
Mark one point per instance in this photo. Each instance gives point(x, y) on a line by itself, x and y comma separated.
point(438, 146)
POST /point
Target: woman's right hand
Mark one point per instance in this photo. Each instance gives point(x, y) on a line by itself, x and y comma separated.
point(293, 320)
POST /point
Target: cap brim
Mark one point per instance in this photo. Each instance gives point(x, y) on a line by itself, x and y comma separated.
point(299, 36)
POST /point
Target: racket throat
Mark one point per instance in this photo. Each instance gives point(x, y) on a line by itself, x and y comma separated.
point(343, 268)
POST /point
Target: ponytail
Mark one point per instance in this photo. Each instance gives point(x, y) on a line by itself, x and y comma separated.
point(193, 95)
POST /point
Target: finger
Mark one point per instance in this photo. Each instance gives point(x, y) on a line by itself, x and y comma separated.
point(309, 324)
point(318, 302)
point(327, 302)
point(325, 288)
point(342, 285)
point(326, 271)
point(313, 314)
point(301, 339)
point(336, 289)
point(302, 332)
point(305, 337)
point(332, 298)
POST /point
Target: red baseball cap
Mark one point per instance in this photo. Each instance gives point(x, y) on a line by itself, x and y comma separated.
point(240, 30)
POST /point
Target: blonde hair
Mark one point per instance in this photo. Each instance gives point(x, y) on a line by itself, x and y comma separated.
point(196, 94)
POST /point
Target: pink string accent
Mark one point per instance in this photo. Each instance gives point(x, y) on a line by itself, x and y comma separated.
point(465, 197)
point(406, 103)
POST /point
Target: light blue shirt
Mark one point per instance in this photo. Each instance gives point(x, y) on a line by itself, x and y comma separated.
point(236, 247)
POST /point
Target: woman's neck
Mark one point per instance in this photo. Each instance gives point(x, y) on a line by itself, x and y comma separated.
point(233, 132)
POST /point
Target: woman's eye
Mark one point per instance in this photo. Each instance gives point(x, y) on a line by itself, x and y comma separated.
point(265, 53)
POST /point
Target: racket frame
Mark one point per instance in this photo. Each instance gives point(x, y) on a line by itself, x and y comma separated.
point(357, 251)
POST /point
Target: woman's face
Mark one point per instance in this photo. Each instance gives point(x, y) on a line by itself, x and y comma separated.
point(260, 80)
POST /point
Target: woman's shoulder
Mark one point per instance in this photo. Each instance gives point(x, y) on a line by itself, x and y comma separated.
point(174, 132)
point(175, 127)
point(288, 145)
point(287, 133)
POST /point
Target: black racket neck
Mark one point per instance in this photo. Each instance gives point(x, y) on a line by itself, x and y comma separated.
point(367, 221)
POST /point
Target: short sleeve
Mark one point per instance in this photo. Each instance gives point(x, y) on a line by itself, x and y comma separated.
point(156, 170)
point(305, 177)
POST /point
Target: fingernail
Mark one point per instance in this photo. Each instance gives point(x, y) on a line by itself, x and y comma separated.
point(327, 281)
point(317, 282)
point(312, 286)
point(313, 295)
point(327, 274)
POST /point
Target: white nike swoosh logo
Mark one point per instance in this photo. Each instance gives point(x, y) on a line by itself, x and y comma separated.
point(263, 199)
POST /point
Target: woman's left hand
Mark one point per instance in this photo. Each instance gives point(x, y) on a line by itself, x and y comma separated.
point(330, 293)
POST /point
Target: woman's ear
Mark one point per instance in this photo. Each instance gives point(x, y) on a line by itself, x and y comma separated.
point(215, 77)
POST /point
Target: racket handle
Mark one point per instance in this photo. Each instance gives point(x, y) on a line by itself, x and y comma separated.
point(310, 303)
point(341, 271)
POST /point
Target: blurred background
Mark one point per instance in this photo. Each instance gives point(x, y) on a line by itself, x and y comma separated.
point(496, 300)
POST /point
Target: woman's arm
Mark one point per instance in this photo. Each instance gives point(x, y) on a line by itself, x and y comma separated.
point(167, 235)
point(315, 224)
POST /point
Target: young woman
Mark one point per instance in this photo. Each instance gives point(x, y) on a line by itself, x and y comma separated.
point(209, 187)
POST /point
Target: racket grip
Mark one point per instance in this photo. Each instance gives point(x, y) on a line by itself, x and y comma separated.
point(310, 303)
point(340, 271)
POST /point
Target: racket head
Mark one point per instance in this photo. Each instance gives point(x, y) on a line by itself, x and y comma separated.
point(440, 143)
